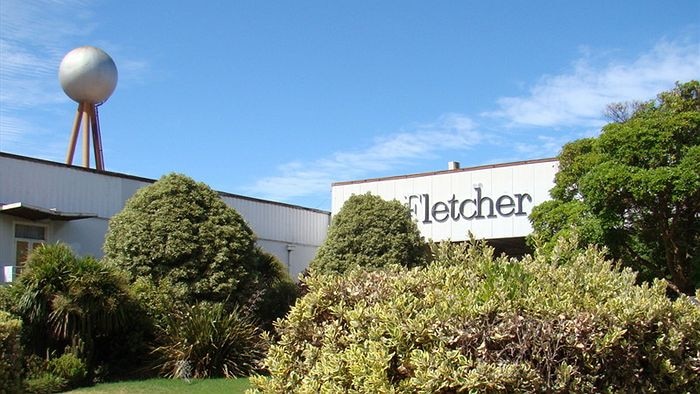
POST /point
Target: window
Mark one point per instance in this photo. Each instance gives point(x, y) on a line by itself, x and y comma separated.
point(27, 238)
point(30, 232)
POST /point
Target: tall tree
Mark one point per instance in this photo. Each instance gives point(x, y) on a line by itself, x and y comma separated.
point(636, 189)
point(370, 232)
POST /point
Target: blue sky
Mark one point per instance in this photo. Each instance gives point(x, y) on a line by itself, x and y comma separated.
point(277, 100)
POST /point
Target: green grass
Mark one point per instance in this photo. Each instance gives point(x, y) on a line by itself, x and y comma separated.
point(157, 386)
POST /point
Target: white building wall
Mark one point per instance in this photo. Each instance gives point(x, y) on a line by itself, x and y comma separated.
point(444, 203)
point(279, 227)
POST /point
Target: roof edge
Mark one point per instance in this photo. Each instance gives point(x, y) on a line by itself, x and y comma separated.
point(431, 173)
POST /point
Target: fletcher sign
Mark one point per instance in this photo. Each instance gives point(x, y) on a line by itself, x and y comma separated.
point(477, 207)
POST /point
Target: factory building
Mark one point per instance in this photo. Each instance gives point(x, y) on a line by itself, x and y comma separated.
point(492, 202)
point(47, 202)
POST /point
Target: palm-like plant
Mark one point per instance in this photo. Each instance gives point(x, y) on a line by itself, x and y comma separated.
point(92, 304)
point(45, 274)
point(205, 340)
point(65, 299)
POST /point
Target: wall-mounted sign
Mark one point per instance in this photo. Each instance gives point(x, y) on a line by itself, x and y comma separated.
point(490, 201)
point(476, 207)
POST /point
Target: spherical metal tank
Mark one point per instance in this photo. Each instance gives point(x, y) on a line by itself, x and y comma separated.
point(88, 74)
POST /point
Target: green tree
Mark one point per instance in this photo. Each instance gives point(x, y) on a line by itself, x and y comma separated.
point(181, 233)
point(370, 232)
point(636, 189)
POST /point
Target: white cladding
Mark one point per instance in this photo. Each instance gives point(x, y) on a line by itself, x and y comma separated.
point(291, 233)
point(490, 202)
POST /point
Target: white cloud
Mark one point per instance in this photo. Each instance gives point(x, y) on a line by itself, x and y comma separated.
point(579, 97)
point(575, 100)
point(296, 179)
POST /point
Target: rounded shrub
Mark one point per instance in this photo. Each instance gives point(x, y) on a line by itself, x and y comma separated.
point(180, 233)
point(561, 322)
point(180, 230)
point(369, 231)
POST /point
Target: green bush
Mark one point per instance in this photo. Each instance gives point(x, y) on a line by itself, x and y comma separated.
point(45, 383)
point(180, 236)
point(70, 368)
point(370, 232)
point(205, 341)
point(10, 353)
point(182, 231)
point(561, 322)
point(54, 374)
point(39, 379)
point(276, 296)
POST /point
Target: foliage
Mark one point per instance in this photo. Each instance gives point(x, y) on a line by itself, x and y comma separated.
point(10, 353)
point(54, 375)
point(45, 383)
point(370, 232)
point(635, 189)
point(277, 293)
point(206, 341)
point(181, 230)
point(68, 300)
point(470, 322)
point(70, 368)
point(180, 233)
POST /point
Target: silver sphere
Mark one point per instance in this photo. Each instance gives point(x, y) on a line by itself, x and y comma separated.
point(88, 74)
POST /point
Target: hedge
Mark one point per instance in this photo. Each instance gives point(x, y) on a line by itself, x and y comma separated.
point(568, 321)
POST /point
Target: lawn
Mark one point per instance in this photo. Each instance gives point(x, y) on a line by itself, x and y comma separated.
point(157, 386)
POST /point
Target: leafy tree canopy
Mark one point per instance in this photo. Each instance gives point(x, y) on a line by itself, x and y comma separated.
point(636, 189)
point(370, 232)
point(181, 231)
